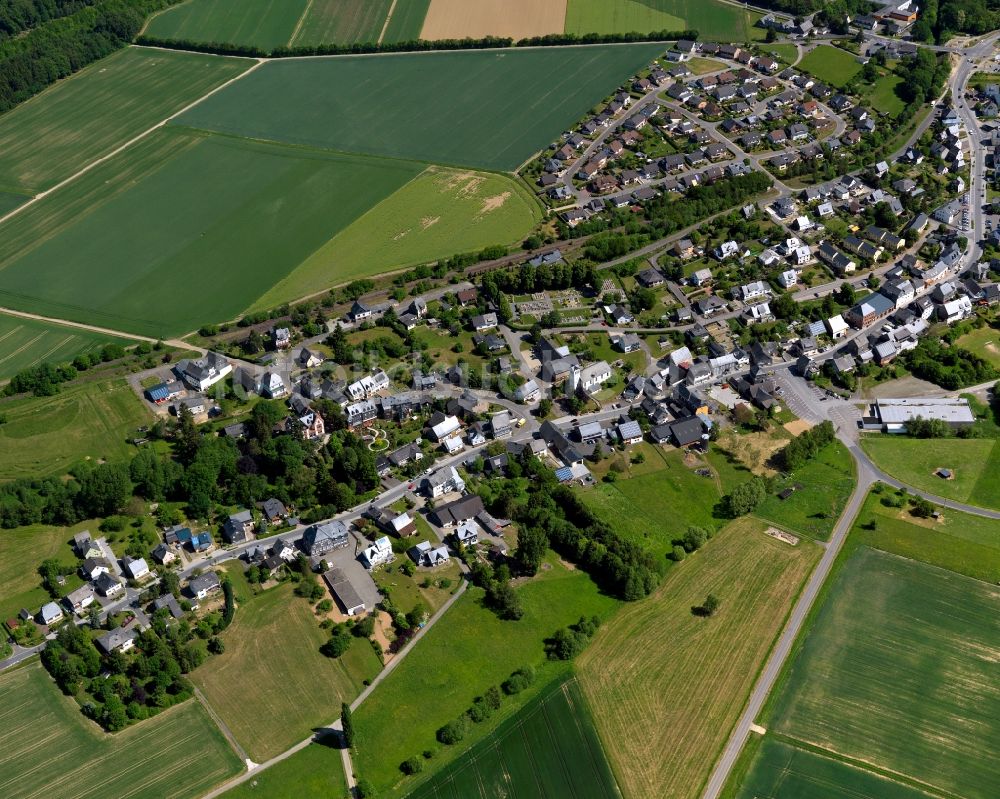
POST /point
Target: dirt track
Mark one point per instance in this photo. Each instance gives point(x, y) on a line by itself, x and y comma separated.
point(518, 19)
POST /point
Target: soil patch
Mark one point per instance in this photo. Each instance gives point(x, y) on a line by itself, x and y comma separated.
point(518, 19)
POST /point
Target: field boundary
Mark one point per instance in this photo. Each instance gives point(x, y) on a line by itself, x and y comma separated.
point(385, 24)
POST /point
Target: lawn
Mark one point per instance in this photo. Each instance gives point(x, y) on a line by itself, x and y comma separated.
point(899, 671)
point(985, 342)
point(271, 686)
point(666, 685)
point(406, 21)
point(882, 94)
point(830, 65)
point(316, 771)
point(27, 342)
point(441, 212)
point(465, 653)
point(47, 747)
point(259, 23)
point(83, 117)
point(485, 109)
point(783, 52)
point(47, 435)
point(184, 229)
point(341, 22)
point(549, 748)
point(973, 461)
point(713, 20)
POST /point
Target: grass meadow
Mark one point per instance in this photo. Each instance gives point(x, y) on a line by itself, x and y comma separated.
point(439, 213)
point(549, 748)
point(899, 671)
point(28, 342)
point(271, 686)
point(713, 20)
point(341, 22)
point(665, 685)
point(485, 109)
point(830, 65)
point(47, 435)
point(261, 23)
point(468, 650)
point(47, 747)
point(51, 136)
point(312, 773)
point(985, 342)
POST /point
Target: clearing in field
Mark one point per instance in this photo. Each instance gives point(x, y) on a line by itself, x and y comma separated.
point(46, 435)
point(667, 685)
point(899, 671)
point(439, 213)
point(29, 342)
point(272, 686)
point(711, 18)
point(341, 22)
point(549, 748)
point(257, 23)
point(830, 65)
point(517, 19)
point(485, 109)
point(83, 117)
point(48, 749)
point(183, 229)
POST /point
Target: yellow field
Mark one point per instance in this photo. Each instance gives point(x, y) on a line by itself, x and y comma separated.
point(667, 686)
point(518, 19)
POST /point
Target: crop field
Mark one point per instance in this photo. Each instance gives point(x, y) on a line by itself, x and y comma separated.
point(830, 65)
point(973, 461)
point(183, 229)
point(899, 671)
point(439, 213)
point(47, 435)
point(272, 686)
point(48, 749)
point(548, 749)
point(261, 23)
point(713, 20)
point(485, 109)
point(83, 117)
point(783, 771)
point(467, 651)
point(315, 772)
point(406, 21)
point(666, 686)
point(27, 342)
point(517, 19)
point(341, 22)
point(10, 201)
point(985, 342)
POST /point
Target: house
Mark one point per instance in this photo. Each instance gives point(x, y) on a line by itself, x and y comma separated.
point(79, 599)
point(701, 277)
point(135, 568)
point(359, 312)
point(169, 602)
point(309, 359)
point(93, 568)
point(360, 414)
point(629, 342)
point(322, 538)
point(238, 528)
point(201, 542)
point(203, 585)
point(629, 432)
point(446, 428)
point(109, 585)
point(423, 554)
point(50, 613)
point(442, 482)
point(955, 310)
point(85, 547)
point(686, 432)
point(117, 640)
point(837, 327)
point(595, 375)
point(205, 372)
point(379, 553)
point(727, 249)
point(870, 310)
point(650, 278)
point(620, 315)
point(457, 511)
point(402, 525)
point(788, 278)
point(283, 549)
point(751, 291)
point(282, 338)
point(501, 425)
point(272, 386)
point(274, 510)
point(527, 392)
point(344, 592)
point(684, 248)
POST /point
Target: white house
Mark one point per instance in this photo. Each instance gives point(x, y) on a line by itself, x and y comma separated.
point(837, 326)
point(751, 291)
point(956, 309)
point(377, 554)
point(205, 372)
point(272, 386)
point(727, 250)
point(446, 428)
point(595, 375)
point(467, 533)
point(136, 568)
point(443, 481)
point(788, 278)
point(50, 613)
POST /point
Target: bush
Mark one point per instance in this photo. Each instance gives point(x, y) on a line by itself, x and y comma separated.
point(454, 731)
point(413, 765)
point(338, 644)
point(518, 680)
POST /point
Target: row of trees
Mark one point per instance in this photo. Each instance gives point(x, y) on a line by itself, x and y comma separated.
point(482, 708)
point(18, 16)
point(45, 379)
point(806, 446)
point(949, 367)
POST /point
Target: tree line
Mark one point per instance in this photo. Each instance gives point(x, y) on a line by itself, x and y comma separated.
point(18, 16)
point(806, 446)
point(950, 367)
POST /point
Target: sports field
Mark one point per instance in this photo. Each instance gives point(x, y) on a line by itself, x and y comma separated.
point(439, 213)
point(48, 749)
point(666, 686)
point(712, 19)
point(183, 229)
point(27, 342)
point(485, 109)
point(830, 65)
point(899, 671)
point(516, 19)
point(261, 23)
point(548, 749)
point(272, 686)
point(315, 772)
point(985, 342)
point(85, 116)
point(47, 435)
point(341, 22)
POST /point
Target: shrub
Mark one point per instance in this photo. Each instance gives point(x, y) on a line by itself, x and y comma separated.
point(454, 731)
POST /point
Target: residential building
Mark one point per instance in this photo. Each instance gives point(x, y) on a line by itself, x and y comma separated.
point(322, 538)
point(442, 482)
point(379, 553)
point(238, 528)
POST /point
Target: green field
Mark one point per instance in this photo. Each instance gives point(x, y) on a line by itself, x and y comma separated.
point(439, 213)
point(341, 22)
point(48, 749)
point(713, 20)
point(548, 749)
point(261, 23)
point(50, 137)
point(465, 653)
point(882, 95)
point(830, 65)
point(183, 229)
point(315, 772)
point(27, 342)
point(899, 671)
point(975, 464)
point(783, 771)
point(985, 342)
point(783, 52)
point(271, 686)
point(407, 20)
point(47, 435)
point(485, 109)
point(10, 201)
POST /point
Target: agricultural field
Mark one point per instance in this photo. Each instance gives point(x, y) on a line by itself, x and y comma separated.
point(272, 686)
point(985, 342)
point(516, 19)
point(439, 213)
point(47, 747)
point(315, 772)
point(341, 22)
point(86, 116)
point(468, 650)
point(430, 106)
point(47, 435)
point(712, 19)
point(899, 671)
point(974, 463)
point(28, 342)
point(666, 685)
point(178, 208)
point(549, 748)
point(406, 21)
point(9, 201)
point(830, 65)
point(258, 23)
